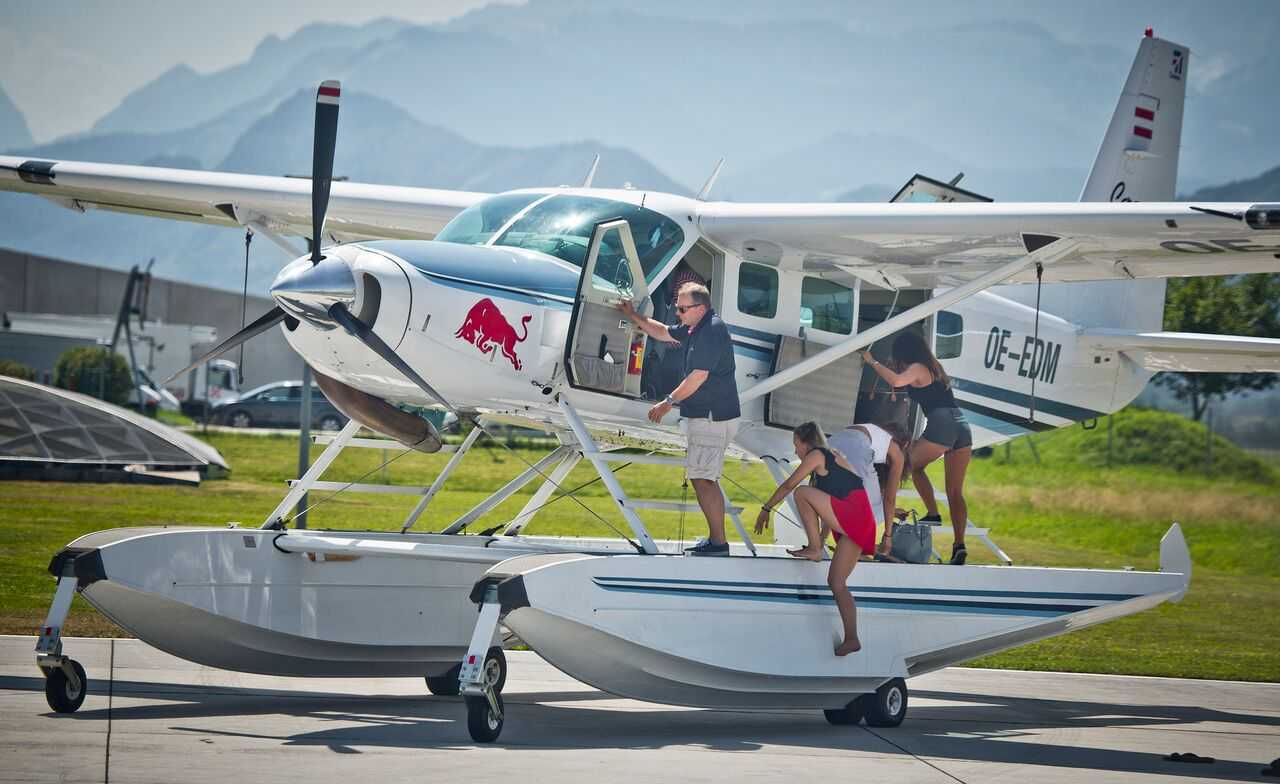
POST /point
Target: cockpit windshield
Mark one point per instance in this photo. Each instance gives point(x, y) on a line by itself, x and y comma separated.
point(561, 226)
point(476, 224)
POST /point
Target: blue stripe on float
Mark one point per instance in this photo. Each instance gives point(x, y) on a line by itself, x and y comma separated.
point(1099, 597)
point(923, 605)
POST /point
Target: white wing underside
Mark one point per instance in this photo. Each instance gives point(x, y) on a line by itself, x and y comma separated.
point(897, 245)
point(944, 245)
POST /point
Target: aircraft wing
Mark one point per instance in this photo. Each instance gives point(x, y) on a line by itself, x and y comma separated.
point(1188, 352)
point(356, 211)
point(947, 244)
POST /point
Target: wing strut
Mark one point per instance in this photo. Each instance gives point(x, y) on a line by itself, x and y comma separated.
point(1045, 254)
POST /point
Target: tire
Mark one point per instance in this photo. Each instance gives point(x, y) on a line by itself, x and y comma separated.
point(887, 707)
point(330, 422)
point(495, 671)
point(495, 668)
point(444, 685)
point(59, 693)
point(849, 714)
point(481, 723)
point(240, 419)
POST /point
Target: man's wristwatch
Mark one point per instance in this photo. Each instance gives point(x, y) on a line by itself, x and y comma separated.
point(671, 401)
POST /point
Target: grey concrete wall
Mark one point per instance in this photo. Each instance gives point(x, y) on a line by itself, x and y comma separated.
point(38, 284)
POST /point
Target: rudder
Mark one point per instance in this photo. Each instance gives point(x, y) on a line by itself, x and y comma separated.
point(1137, 161)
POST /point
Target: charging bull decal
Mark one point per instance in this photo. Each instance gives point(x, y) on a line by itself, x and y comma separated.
point(485, 327)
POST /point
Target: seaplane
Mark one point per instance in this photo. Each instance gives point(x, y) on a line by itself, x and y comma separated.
point(502, 308)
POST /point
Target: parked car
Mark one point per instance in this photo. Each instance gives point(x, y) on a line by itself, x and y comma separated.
point(277, 404)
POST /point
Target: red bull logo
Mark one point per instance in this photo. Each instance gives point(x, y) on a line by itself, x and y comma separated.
point(486, 328)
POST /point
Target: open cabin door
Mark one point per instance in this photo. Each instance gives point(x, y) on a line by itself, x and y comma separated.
point(606, 351)
point(926, 190)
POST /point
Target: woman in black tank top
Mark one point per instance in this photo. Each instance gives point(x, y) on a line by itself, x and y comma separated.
point(835, 496)
point(946, 435)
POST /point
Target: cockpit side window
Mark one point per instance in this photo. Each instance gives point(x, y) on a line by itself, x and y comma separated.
point(561, 226)
point(477, 223)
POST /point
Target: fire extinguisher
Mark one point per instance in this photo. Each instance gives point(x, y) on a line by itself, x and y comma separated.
point(635, 362)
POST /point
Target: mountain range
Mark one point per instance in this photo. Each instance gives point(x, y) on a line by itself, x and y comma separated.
point(807, 105)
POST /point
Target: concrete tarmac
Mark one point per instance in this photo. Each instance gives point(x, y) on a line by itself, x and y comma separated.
point(150, 717)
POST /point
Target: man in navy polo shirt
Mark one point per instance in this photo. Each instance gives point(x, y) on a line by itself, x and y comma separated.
point(708, 400)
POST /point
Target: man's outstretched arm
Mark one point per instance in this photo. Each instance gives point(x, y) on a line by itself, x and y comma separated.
point(651, 327)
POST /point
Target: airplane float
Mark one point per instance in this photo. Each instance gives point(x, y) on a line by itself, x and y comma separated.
point(502, 308)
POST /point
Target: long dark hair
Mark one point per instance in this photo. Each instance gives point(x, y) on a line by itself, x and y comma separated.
point(909, 348)
point(810, 433)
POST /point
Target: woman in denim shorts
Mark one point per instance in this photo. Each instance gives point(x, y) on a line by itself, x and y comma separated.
point(946, 434)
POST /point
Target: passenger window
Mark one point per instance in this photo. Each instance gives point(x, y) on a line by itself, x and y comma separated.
point(757, 290)
point(950, 335)
point(826, 306)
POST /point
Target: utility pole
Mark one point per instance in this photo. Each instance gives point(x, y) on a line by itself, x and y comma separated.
point(304, 443)
point(304, 436)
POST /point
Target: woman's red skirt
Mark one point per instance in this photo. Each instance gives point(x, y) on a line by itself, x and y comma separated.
point(853, 513)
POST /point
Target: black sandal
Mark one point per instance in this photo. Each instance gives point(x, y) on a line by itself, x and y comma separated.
point(958, 555)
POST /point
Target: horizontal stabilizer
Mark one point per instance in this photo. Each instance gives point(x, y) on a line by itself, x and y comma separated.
point(1189, 352)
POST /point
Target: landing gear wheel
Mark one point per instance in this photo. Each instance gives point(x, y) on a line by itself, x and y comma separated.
point(444, 685)
point(330, 422)
point(61, 695)
point(887, 707)
point(495, 675)
point(495, 669)
point(481, 723)
point(849, 714)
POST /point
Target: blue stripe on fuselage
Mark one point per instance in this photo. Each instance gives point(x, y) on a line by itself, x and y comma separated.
point(1052, 407)
point(754, 334)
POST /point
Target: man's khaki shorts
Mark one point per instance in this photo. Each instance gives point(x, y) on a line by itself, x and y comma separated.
point(708, 441)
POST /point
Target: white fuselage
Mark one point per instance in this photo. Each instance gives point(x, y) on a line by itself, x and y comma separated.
point(512, 364)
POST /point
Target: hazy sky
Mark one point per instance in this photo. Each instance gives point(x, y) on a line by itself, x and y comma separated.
point(65, 64)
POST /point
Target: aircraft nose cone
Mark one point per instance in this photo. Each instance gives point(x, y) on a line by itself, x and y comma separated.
point(307, 290)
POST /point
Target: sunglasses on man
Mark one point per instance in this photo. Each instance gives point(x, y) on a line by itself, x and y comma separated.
point(682, 309)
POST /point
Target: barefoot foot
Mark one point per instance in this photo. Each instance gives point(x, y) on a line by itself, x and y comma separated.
point(847, 647)
point(809, 553)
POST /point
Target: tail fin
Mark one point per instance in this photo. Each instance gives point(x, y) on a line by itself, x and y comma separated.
point(1138, 161)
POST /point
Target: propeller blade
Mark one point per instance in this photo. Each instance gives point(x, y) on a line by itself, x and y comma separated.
point(266, 322)
point(361, 331)
point(325, 140)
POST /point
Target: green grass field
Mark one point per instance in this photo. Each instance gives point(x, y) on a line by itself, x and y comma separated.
point(1066, 510)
